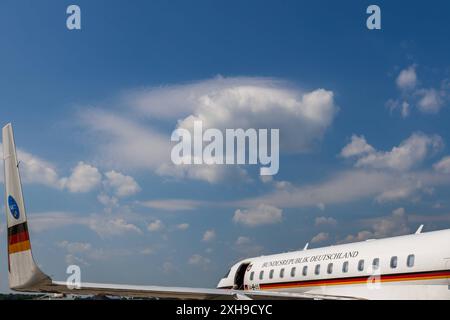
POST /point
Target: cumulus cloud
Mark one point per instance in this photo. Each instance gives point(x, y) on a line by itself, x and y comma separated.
point(426, 100)
point(108, 202)
point(156, 225)
point(268, 107)
point(182, 226)
point(407, 155)
point(262, 214)
point(112, 227)
point(393, 225)
point(320, 237)
point(35, 170)
point(123, 185)
point(443, 165)
point(430, 101)
point(325, 221)
point(357, 147)
point(407, 79)
point(219, 103)
point(209, 235)
point(84, 178)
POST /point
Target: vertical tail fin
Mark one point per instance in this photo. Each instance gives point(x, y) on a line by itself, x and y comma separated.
point(23, 272)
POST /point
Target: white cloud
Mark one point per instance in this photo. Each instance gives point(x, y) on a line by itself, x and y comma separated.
point(182, 226)
point(407, 155)
point(357, 147)
point(209, 235)
point(430, 100)
point(105, 227)
point(108, 202)
point(321, 237)
point(407, 79)
point(173, 204)
point(197, 259)
point(121, 141)
point(262, 214)
point(443, 165)
point(360, 236)
point(112, 227)
point(74, 247)
point(325, 221)
point(426, 100)
point(220, 103)
point(35, 170)
point(84, 178)
point(403, 106)
point(405, 110)
point(383, 227)
point(155, 226)
point(349, 186)
point(123, 185)
point(304, 117)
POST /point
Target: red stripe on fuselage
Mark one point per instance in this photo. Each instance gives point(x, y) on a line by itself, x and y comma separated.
point(355, 280)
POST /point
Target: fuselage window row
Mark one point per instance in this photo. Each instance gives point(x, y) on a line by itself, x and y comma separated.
point(410, 261)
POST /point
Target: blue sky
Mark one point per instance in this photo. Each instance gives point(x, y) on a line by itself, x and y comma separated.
point(93, 111)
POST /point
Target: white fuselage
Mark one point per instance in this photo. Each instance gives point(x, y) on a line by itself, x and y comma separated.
point(407, 267)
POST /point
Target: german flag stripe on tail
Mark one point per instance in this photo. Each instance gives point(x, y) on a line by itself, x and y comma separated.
point(18, 238)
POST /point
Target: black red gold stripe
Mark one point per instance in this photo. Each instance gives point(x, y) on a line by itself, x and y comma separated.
point(427, 275)
point(18, 238)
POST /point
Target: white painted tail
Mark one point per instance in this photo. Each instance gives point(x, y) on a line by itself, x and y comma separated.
point(24, 274)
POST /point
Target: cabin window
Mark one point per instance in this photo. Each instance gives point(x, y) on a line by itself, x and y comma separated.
point(293, 272)
point(394, 261)
point(305, 271)
point(252, 275)
point(361, 265)
point(410, 261)
point(376, 263)
point(261, 275)
point(317, 269)
point(345, 267)
point(282, 273)
point(271, 274)
point(330, 268)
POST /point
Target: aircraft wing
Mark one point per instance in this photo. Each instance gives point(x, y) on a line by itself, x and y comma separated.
point(158, 292)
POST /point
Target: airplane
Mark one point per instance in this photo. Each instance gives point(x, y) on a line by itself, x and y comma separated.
point(415, 266)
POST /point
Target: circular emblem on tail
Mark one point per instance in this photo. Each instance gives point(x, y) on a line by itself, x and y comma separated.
point(13, 207)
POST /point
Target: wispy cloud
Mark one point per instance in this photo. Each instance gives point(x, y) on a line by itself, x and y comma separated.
point(174, 204)
point(261, 214)
point(104, 226)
